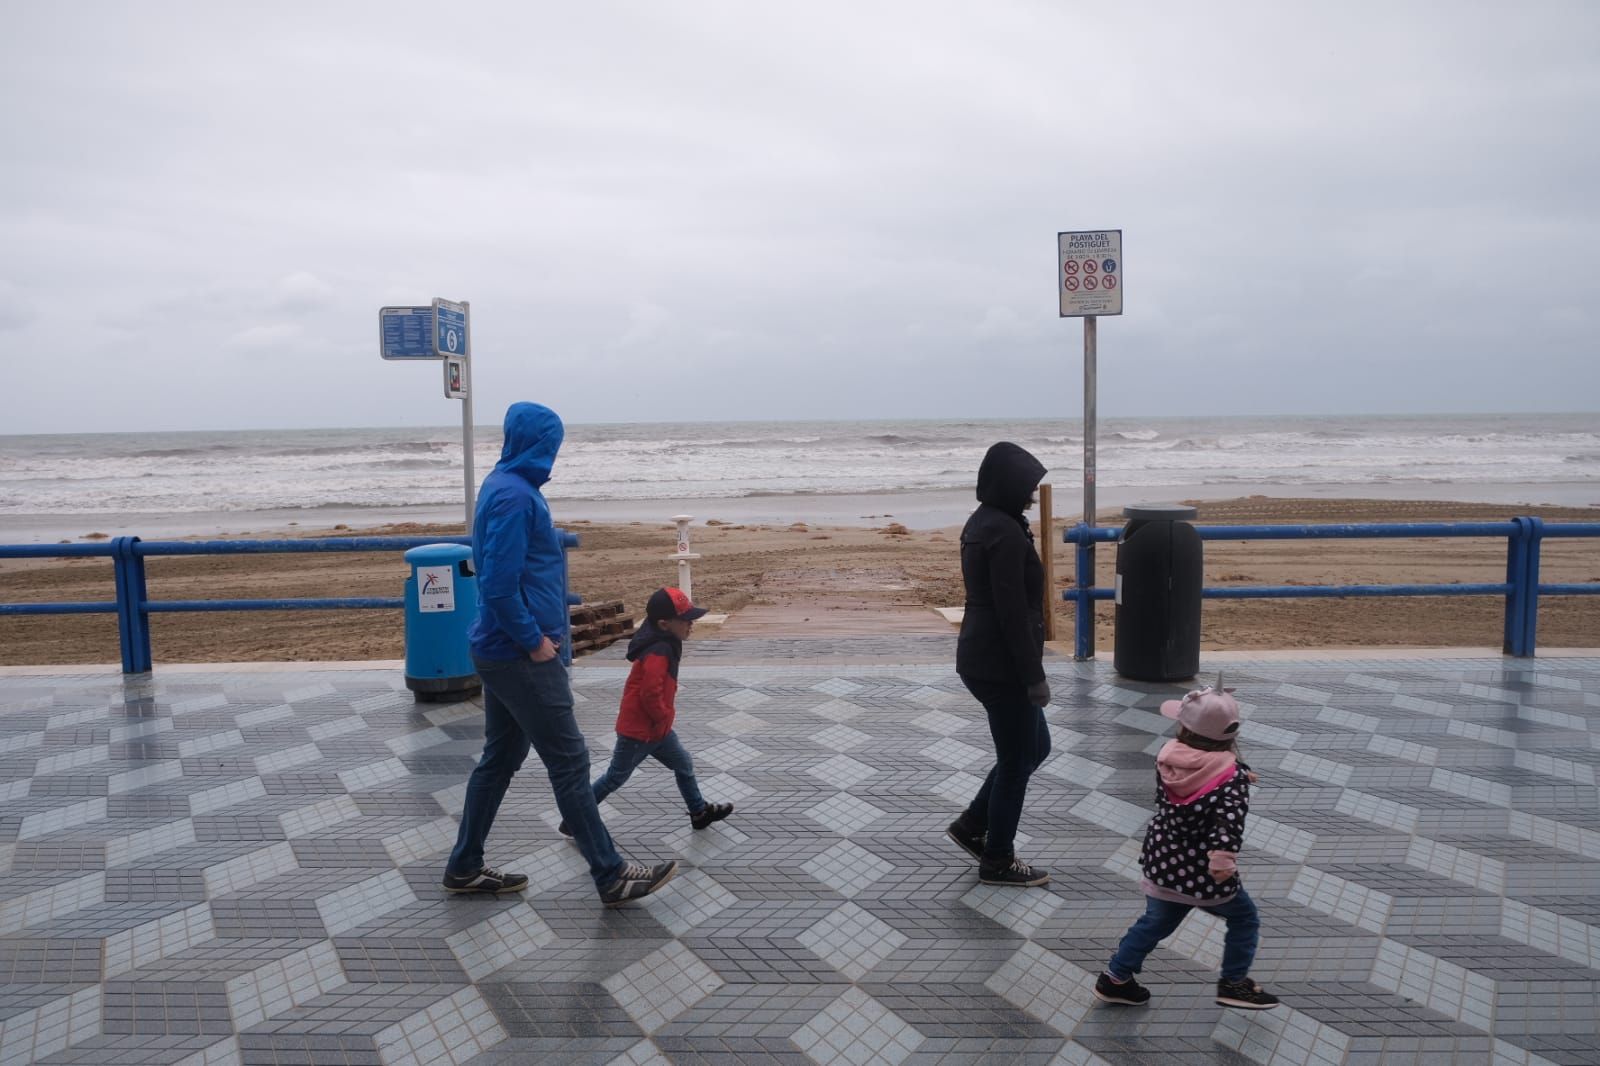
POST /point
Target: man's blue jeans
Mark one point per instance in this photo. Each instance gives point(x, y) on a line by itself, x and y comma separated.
point(527, 703)
point(668, 751)
point(1162, 917)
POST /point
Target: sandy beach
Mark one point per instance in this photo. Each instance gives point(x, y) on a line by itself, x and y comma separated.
point(881, 556)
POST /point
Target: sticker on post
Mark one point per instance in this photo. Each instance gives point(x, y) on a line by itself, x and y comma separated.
point(455, 387)
point(435, 590)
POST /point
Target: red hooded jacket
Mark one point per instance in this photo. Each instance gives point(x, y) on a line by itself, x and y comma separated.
point(648, 709)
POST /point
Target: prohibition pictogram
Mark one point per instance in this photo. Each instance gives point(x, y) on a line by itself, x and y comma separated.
point(1091, 283)
point(1090, 266)
point(1071, 284)
point(1109, 282)
point(1070, 266)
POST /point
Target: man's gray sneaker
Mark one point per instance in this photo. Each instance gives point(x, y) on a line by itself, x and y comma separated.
point(637, 880)
point(486, 880)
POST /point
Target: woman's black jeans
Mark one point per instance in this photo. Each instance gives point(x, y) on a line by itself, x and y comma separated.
point(1021, 744)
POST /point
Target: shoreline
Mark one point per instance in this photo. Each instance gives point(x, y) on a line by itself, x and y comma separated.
point(917, 509)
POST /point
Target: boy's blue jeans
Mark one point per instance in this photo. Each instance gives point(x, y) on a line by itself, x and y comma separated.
point(1162, 917)
point(530, 704)
point(668, 751)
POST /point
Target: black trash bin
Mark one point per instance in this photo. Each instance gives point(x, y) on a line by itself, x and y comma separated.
point(1158, 594)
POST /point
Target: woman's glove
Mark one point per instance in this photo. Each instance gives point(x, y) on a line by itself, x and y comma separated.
point(1039, 693)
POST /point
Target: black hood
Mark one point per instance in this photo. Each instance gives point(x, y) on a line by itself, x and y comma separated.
point(1007, 477)
point(650, 634)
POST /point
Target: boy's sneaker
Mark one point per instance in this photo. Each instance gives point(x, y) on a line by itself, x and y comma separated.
point(966, 839)
point(1016, 872)
point(1130, 992)
point(485, 880)
point(711, 812)
point(564, 831)
point(637, 880)
point(1245, 994)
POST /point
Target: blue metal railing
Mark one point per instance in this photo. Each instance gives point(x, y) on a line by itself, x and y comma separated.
point(133, 606)
point(1521, 588)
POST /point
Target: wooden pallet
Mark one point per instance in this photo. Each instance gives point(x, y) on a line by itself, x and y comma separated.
point(598, 625)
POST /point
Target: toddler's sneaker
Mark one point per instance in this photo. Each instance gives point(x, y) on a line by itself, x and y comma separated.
point(1016, 872)
point(485, 880)
point(711, 812)
point(965, 839)
point(1245, 994)
point(1129, 992)
point(636, 880)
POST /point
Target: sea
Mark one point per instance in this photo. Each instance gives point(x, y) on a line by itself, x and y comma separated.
point(54, 486)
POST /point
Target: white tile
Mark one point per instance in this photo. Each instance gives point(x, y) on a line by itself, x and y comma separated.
point(692, 899)
point(841, 771)
point(146, 943)
point(841, 738)
point(373, 774)
point(1022, 910)
point(662, 985)
point(510, 935)
point(1117, 815)
point(251, 868)
point(856, 1029)
point(844, 813)
point(1349, 902)
point(1045, 986)
point(45, 904)
point(364, 901)
point(125, 849)
point(336, 727)
point(315, 817)
point(1468, 867)
point(737, 724)
point(44, 823)
point(941, 722)
point(728, 755)
point(284, 984)
point(209, 742)
point(215, 799)
point(1281, 1037)
point(31, 1035)
point(851, 940)
point(847, 868)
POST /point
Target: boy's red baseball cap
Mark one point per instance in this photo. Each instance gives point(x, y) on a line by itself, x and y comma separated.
point(671, 603)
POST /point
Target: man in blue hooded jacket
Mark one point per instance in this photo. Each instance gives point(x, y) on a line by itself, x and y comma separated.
point(527, 696)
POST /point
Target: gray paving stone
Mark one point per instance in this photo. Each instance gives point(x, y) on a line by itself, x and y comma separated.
point(243, 867)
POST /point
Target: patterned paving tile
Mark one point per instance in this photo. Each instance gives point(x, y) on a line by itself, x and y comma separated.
point(211, 867)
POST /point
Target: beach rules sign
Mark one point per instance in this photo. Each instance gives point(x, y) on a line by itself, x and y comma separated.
point(1089, 272)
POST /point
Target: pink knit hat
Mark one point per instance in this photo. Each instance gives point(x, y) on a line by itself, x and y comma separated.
point(1210, 712)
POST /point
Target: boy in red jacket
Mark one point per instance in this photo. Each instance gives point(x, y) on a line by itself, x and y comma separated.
point(644, 724)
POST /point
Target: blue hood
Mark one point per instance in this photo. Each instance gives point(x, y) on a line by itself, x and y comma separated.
point(533, 436)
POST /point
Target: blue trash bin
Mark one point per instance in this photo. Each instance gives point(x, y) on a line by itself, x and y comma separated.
point(441, 602)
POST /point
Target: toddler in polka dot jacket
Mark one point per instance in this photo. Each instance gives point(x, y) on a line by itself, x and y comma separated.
point(1191, 848)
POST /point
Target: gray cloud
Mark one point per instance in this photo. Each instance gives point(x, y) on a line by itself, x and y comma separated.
point(721, 211)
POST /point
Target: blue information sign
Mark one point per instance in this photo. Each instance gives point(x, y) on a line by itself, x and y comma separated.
point(406, 333)
point(449, 328)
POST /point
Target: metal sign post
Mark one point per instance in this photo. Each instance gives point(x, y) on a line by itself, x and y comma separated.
point(452, 339)
point(442, 332)
point(1089, 282)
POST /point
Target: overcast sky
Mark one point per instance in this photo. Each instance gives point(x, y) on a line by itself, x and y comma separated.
point(709, 210)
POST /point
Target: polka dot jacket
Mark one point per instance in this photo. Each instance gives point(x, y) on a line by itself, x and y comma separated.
point(1180, 838)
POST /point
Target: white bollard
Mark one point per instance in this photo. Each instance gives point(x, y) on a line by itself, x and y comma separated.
point(685, 579)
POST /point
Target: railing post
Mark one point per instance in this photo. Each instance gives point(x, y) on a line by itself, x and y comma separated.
point(1083, 620)
point(1517, 579)
point(1530, 622)
point(568, 542)
point(133, 619)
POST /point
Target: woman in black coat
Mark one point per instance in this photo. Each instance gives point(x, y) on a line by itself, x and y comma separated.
point(1000, 658)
